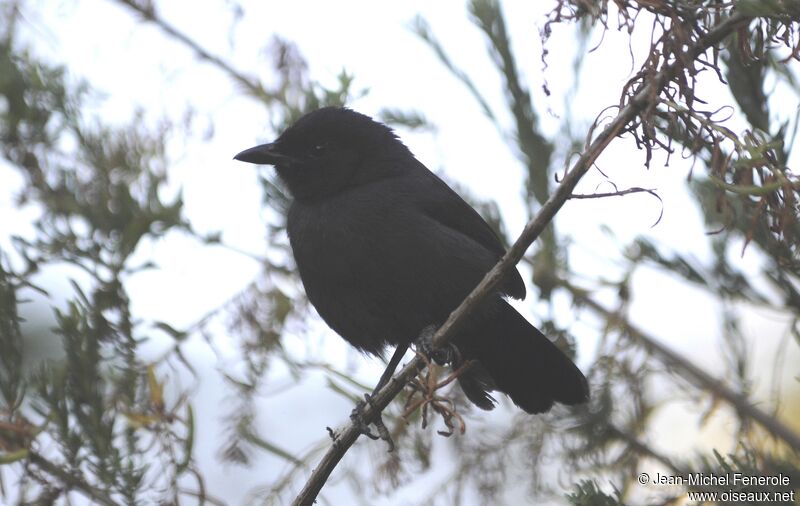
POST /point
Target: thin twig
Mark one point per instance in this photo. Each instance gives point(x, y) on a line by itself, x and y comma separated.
point(148, 13)
point(645, 95)
point(617, 193)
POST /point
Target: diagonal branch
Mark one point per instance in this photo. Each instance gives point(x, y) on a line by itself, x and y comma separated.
point(645, 95)
point(147, 11)
point(688, 370)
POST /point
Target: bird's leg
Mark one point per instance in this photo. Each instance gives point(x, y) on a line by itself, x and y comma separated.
point(390, 368)
point(357, 414)
point(448, 354)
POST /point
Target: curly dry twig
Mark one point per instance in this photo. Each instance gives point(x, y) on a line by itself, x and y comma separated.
point(427, 385)
point(620, 193)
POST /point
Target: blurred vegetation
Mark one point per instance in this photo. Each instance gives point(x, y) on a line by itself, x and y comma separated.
point(92, 422)
point(97, 422)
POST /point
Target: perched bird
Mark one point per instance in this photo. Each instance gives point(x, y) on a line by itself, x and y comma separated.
point(386, 249)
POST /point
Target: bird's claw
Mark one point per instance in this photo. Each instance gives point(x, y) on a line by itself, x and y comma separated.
point(332, 434)
point(447, 354)
point(357, 417)
point(383, 433)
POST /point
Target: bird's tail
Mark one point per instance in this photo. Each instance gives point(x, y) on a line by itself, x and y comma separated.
point(515, 358)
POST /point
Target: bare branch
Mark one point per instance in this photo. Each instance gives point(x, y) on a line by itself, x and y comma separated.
point(147, 11)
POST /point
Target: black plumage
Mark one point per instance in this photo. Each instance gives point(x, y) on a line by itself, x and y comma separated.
point(385, 249)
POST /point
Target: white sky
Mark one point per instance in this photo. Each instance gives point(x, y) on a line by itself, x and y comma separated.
point(135, 66)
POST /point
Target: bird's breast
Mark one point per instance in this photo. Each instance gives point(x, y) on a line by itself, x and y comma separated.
point(377, 267)
point(333, 240)
point(346, 253)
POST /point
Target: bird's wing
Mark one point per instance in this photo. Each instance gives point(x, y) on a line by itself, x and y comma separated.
point(446, 207)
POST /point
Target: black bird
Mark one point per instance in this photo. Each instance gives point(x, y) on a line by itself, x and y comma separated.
point(386, 250)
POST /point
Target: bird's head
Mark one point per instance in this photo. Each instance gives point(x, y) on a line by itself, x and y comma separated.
point(329, 150)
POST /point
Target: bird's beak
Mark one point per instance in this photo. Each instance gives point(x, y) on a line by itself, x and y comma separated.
point(265, 154)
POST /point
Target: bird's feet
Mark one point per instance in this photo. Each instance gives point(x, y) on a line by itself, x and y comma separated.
point(447, 354)
point(357, 417)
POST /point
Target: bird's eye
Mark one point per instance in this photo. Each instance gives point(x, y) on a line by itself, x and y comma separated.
point(319, 149)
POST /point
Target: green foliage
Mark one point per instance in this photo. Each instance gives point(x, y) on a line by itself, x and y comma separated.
point(747, 463)
point(587, 493)
point(94, 422)
point(11, 379)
